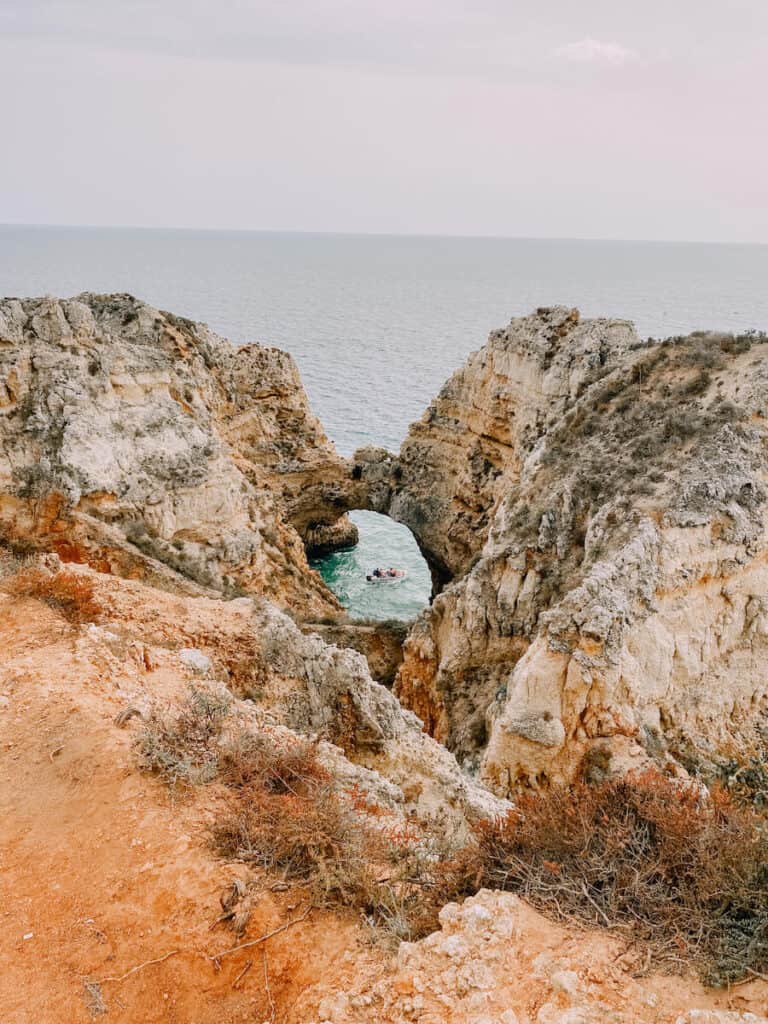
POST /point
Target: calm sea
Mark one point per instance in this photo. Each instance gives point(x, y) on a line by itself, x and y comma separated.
point(377, 323)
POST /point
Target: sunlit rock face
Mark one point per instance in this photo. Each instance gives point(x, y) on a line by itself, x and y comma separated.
point(597, 508)
point(144, 444)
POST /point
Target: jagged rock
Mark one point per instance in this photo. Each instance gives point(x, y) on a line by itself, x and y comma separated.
point(600, 506)
point(323, 538)
point(381, 643)
point(146, 445)
point(328, 690)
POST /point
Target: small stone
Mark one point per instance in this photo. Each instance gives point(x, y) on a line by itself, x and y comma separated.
point(194, 659)
point(566, 982)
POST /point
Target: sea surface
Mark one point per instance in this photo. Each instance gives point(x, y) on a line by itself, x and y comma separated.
point(377, 323)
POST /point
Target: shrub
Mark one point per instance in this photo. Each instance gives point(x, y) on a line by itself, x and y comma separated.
point(276, 766)
point(284, 813)
point(68, 593)
point(308, 835)
point(184, 749)
point(685, 870)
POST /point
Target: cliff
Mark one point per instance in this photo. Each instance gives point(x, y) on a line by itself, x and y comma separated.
point(142, 443)
point(599, 504)
point(196, 787)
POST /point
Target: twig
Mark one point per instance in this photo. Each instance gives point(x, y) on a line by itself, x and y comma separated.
point(242, 974)
point(138, 967)
point(263, 938)
point(757, 974)
point(266, 986)
point(599, 909)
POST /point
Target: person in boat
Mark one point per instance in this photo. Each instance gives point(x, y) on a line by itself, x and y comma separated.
point(377, 573)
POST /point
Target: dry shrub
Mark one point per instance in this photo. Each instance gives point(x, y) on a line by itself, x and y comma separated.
point(68, 593)
point(677, 867)
point(183, 749)
point(308, 837)
point(283, 812)
point(286, 814)
point(272, 763)
point(682, 869)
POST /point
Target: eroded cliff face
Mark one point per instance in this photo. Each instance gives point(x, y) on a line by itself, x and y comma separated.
point(144, 444)
point(601, 505)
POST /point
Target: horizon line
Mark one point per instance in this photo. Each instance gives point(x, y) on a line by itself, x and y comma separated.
point(371, 234)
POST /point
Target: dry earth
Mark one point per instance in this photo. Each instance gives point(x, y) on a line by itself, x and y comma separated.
point(102, 871)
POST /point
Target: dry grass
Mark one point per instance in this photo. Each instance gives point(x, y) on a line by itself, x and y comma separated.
point(183, 748)
point(68, 593)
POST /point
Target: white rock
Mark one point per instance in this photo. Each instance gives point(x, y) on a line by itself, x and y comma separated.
point(195, 660)
point(567, 982)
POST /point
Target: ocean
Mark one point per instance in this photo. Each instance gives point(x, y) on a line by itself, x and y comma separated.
point(377, 323)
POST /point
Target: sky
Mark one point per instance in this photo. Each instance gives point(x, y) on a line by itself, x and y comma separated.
point(528, 118)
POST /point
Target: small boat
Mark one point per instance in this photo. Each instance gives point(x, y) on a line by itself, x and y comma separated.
point(386, 576)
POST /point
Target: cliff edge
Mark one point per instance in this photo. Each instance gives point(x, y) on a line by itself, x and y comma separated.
point(143, 444)
point(594, 509)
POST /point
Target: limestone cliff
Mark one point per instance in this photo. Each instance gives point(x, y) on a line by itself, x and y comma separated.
point(600, 505)
point(144, 444)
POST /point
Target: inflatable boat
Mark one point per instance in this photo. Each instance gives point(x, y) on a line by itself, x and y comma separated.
point(386, 576)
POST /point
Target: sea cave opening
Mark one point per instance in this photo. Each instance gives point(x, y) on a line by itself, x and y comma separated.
point(382, 543)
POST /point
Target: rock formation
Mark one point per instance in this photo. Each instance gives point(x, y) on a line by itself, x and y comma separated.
point(600, 506)
point(593, 510)
point(381, 643)
point(144, 444)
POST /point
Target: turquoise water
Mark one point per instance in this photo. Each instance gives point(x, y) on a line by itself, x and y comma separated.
point(383, 544)
point(387, 315)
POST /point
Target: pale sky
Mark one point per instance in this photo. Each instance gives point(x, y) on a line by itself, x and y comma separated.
point(548, 118)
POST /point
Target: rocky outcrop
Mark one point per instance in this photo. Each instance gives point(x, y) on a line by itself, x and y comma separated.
point(282, 678)
point(495, 960)
point(94, 850)
point(380, 643)
point(600, 505)
point(144, 444)
point(136, 886)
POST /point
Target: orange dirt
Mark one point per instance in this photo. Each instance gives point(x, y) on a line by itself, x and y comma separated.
point(100, 871)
